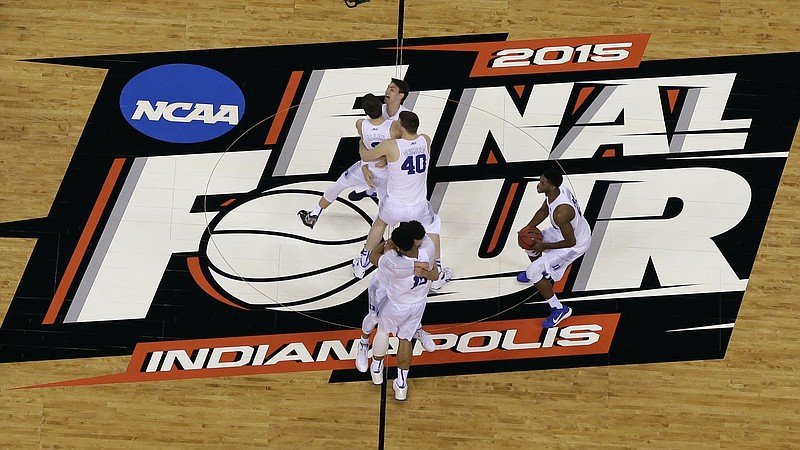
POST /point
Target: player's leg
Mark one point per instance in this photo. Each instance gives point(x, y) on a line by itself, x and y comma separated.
point(350, 177)
point(404, 356)
point(387, 214)
point(410, 322)
point(361, 262)
point(380, 345)
point(376, 295)
point(538, 273)
point(433, 226)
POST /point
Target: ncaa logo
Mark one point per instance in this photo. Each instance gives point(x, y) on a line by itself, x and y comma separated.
point(182, 103)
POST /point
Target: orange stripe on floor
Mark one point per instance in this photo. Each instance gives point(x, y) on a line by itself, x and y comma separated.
point(83, 241)
point(503, 216)
point(559, 285)
point(283, 108)
point(582, 96)
point(197, 273)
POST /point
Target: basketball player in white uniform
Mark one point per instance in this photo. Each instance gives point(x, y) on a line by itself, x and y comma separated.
point(406, 273)
point(393, 99)
point(565, 241)
point(406, 199)
point(377, 295)
point(373, 130)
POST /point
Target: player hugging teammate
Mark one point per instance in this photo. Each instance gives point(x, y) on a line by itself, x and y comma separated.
point(393, 166)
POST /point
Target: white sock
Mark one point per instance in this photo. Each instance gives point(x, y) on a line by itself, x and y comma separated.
point(554, 303)
point(317, 211)
point(439, 268)
point(364, 341)
point(402, 377)
point(376, 365)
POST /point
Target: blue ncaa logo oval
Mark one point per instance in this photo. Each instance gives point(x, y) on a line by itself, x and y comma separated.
point(182, 103)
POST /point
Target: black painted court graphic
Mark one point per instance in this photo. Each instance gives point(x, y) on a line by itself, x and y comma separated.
point(173, 236)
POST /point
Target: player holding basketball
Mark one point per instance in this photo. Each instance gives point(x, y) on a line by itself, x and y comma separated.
point(406, 271)
point(406, 199)
point(376, 293)
point(373, 130)
point(393, 99)
point(565, 241)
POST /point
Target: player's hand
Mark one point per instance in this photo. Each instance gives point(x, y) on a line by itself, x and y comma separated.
point(421, 269)
point(539, 246)
point(368, 177)
point(381, 162)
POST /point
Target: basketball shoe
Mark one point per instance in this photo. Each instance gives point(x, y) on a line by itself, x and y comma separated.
point(400, 393)
point(425, 337)
point(361, 264)
point(556, 316)
point(356, 196)
point(376, 371)
point(444, 276)
point(522, 277)
point(307, 218)
point(362, 358)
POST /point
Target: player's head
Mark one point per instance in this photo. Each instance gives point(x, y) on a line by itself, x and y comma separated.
point(403, 239)
point(397, 89)
point(417, 231)
point(552, 177)
point(372, 106)
point(409, 121)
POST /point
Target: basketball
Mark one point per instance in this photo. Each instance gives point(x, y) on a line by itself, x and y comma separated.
point(528, 236)
point(259, 252)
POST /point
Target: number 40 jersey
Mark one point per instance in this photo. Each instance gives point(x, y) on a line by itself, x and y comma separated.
point(408, 176)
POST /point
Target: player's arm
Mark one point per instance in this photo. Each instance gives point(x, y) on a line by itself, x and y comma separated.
point(539, 215)
point(360, 135)
point(394, 133)
point(381, 163)
point(394, 130)
point(385, 149)
point(427, 139)
point(421, 270)
point(367, 176)
point(562, 216)
point(362, 147)
point(376, 254)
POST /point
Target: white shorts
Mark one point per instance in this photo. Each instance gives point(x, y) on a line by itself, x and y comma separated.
point(393, 213)
point(379, 179)
point(376, 294)
point(556, 261)
point(402, 320)
point(353, 177)
point(553, 262)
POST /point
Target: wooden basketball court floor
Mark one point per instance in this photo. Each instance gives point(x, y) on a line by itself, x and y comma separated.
point(750, 399)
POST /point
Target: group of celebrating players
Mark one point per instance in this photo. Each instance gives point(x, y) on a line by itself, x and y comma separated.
point(393, 168)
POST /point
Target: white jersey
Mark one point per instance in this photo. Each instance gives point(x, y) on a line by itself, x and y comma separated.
point(372, 135)
point(408, 176)
point(402, 286)
point(396, 115)
point(427, 252)
point(583, 233)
